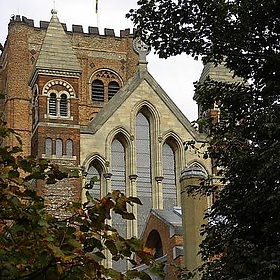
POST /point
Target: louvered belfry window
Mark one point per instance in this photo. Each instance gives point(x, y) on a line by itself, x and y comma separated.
point(52, 104)
point(63, 105)
point(113, 88)
point(97, 91)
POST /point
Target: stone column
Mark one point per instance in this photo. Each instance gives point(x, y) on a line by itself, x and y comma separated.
point(107, 188)
point(132, 224)
point(159, 180)
point(193, 210)
point(108, 261)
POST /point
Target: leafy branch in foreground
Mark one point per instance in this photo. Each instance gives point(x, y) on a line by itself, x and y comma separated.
point(242, 236)
point(36, 245)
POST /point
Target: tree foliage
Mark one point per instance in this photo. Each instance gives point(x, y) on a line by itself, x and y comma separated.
point(36, 245)
point(242, 237)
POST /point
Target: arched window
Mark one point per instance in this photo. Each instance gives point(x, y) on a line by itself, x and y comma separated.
point(69, 148)
point(52, 104)
point(169, 181)
point(63, 105)
point(48, 146)
point(118, 183)
point(97, 91)
point(144, 184)
point(113, 88)
point(93, 172)
point(105, 83)
point(154, 244)
point(58, 147)
point(118, 166)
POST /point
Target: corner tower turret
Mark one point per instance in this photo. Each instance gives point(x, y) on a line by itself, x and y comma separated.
point(54, 84)
point(55, 115)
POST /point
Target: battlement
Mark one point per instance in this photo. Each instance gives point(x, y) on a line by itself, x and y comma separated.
point(108, 32)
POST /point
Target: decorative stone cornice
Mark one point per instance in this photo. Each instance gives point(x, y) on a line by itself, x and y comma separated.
point(48, 72)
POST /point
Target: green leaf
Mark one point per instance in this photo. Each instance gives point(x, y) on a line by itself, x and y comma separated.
point(135, 200)
point(116, 275)
point(74, 243)
point(135, 243)
point(133, 274)
point(43, 223)
point(99, 255)
point(128, 216)
point(13, 174)
point(84, 228)
point(111, 246)
point(2, 252)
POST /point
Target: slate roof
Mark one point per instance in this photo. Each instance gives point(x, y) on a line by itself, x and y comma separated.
point(56, 51)
point(170, 217)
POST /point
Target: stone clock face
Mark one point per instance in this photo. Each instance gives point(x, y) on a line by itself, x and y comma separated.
point(140, 47)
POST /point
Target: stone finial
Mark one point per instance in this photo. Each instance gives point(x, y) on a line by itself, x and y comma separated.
point(54, 11)
point(142, 49)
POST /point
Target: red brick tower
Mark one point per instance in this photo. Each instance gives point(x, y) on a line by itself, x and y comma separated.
point(51, 78)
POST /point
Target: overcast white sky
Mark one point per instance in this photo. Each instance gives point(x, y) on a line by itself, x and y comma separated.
point(175, 75)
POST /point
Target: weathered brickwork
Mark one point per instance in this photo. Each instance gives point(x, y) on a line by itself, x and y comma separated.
point(94, 51)
point(26, 94)
point(170, 241)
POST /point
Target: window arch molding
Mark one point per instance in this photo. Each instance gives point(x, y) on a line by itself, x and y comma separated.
point(177, 144)
point(101, 74)
point(92, 157)
point(154, 244)
point(59, 151)
point(171, 164)
point(121, 134)
point(106, 76)
point(68, 88)
point(35, 105)
point(100, 164)
point(150, 112)
point(48, 146)
point(69, 147)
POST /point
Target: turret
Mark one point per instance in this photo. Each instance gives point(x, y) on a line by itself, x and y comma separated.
point(193, 211)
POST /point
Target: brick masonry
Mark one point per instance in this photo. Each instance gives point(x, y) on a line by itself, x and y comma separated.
point(93, 51)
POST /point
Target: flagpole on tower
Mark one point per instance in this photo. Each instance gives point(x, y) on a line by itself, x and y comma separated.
point(96, 12)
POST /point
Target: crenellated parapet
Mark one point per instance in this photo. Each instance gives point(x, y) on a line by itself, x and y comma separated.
point(92, 30)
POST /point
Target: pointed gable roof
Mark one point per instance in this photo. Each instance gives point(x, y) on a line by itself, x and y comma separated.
point(56, 53)
point(141, 75)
